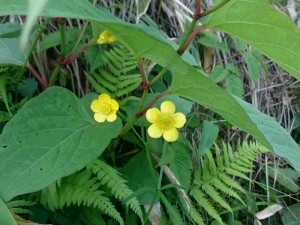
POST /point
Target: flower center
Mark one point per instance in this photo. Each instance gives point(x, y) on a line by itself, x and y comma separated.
point(105, 108)
point(165, 121)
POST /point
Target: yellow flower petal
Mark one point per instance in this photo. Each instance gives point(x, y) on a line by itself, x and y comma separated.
point(171, 135)
point(111, 117)
point(104, 35)
point(95, 106)
point(104, 98)
point(114, 105)
point(112, 38)
point(101, 41)
point(179, 119)
point(154, 131)
point(167, 107)
point(99, 117)
point(152, 115)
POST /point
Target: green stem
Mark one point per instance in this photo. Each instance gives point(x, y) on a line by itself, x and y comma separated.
point(214, 8)
point(158, 76)
point(162, 165)
point(22, 70)
point(62, 29)
point(187, 35)
point(151, 207)
point(54, 75)
point(79, 38)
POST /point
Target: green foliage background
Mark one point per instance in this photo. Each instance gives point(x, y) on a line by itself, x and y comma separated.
point(54, 134)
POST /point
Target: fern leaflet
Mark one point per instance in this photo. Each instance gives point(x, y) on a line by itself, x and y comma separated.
point(120, 76)
point(110, 177)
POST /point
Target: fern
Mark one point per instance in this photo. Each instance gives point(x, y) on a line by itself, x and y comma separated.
point(111, 178)
point(120, 76)
point(214, 181)
point(79, 189)
point(18, 206)
point(202, 201)
point(3, 92)
point(196, 216)
point(172, 211)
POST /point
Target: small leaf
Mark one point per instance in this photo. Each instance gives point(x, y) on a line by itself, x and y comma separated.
point(286, 177)
point(253, 66)
point(140, 178)
point(54, 39)
point(212, 40)
point(291, 214)
point(182, 164)
point(234, 85)
point(209, 135)
point(27, 87)
point(218, 73)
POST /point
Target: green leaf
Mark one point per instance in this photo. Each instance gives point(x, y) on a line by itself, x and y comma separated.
point(182, 163)
point(291, 214)
point(140, 178)
point(296, 122)
point(27, 87)
point(209, 135)
point(5, 215)
point(211, 40)
point(94, 56)
point(282, 143)
point(54, 39)
point(272, 33)
point(286, 177)
point(10, 51)
point(253, 66)
point(218, 73)
point(234, 85)
point(52, 136)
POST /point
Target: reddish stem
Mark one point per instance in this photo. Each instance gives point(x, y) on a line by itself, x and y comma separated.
point(197, 13)
point(191, 37)
point(37, 76)
point(69, 59)
point(143, 112)
point(142, 71)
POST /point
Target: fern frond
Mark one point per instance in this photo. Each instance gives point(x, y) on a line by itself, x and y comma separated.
point(236, 173)
point(3, 92)
point(241, 168)
point(110, 177)
point(17, 206)
point(215, 180)
point(203, 202)
point(120, 77)
point(80, 189)
point(230, 182)
point(219, 158)
point(227, 190)
point(215, 195)
point(211, 163)
point(197, 218)
point(172, 211)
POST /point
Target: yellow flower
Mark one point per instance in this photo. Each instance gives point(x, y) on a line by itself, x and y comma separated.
point(165, 121)
point(105, 37)
point(105, 108)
